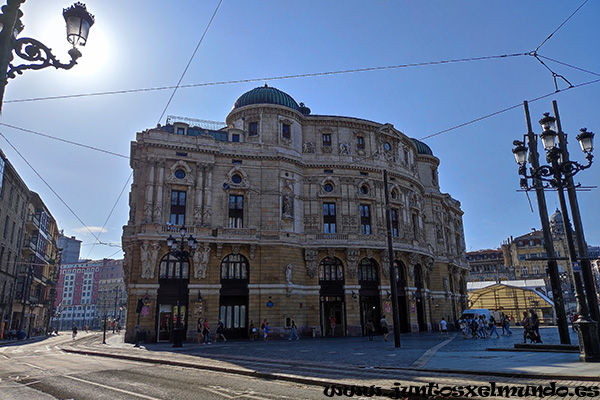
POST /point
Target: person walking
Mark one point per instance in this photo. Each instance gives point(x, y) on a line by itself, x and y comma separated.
point(493, 327)
point(74, 331)
point(206, 332)
point(252, 330)
point(384, 328)
point(370, 329)
point(293, 331)
point(199, 328)
point(267, 331)
point(263, 326)
point(220, 329)
point(444, 328)
point(534, 322)
point(526, 324)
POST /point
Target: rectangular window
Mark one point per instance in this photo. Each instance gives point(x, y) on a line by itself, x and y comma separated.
point(5, 227)
point(329, 218)
point(181, 131)
point(286, 130)
point(236, 211)
point(235, 137)
point(178, 207)
point(365, 219)
point(253, 129)
point(360, 142)
point(395, 225)
point(327, 139)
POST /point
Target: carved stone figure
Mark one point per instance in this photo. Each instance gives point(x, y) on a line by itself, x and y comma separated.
point(308, 147)
point(147, 269)
point(352, 259)
point(310, 256)
point(201, 259)
point(345, 148)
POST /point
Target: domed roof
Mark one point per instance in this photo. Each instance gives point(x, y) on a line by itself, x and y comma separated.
point(422, 148)
point(556, 217)
point(266, 95)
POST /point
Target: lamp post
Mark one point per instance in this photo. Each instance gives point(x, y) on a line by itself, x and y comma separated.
point(78, 21)
point(559, 174)
point(182, 255)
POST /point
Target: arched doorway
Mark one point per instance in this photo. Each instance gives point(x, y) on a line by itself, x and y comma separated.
point(401, 285)
point(173, 277)
point(419, 299)
point(370, 302)
point(233, 299)
point(332, 307)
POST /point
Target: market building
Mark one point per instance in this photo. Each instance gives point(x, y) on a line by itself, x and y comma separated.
point(289, 212)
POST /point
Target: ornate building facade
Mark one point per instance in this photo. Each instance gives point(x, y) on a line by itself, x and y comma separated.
point(489, 265)
point(289, 212)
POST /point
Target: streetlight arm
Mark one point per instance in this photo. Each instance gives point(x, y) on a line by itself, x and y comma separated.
point(40, 55)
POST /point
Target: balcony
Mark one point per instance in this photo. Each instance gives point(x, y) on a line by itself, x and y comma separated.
point(331, 236)
point(175, 229)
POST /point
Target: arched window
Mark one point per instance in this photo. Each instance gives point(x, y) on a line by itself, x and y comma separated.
point(331, 269)
point(170, 266)
point(400, 273)
point(367, 270)
point(234, 266)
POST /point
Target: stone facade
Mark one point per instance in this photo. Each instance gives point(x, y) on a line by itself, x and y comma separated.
point(489, 265)
point(289, 213)
point(14, 197)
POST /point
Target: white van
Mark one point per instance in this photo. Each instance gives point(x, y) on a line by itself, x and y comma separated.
point(470, 314)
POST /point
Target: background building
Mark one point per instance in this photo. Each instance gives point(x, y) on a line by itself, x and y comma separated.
point(33, 304)
point(86, 291)
point(289, 212)
point(14, 198)
point(488, 265)
point(70, 248)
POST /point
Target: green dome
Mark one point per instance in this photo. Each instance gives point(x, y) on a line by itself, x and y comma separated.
point(266, 95)
point(422, 148)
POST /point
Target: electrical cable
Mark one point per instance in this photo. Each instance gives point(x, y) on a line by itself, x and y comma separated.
point(507, 109)
point(110, 213)
point(273, 78)
point(190, 61)
point(560, 26)
point(50, 187)
point(569, 65)
point(64, 140)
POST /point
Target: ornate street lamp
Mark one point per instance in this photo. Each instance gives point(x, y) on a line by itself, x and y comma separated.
point(38, 55)
point(182, 255)
point(559, 174)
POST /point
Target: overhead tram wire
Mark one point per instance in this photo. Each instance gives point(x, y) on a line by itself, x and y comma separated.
point(64, 140)
point(111, 212)
point(50, 187)
point(274, 78)
point(190, 61)
point(508, 109)
point(560, 26)
point(161, 116)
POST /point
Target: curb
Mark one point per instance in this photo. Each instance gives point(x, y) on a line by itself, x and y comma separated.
point(323, 382)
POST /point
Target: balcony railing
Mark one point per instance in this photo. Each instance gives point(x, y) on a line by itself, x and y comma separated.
point(331, 236)
point(176, 228)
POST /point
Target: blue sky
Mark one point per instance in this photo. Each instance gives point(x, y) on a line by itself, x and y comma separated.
point(147, 44)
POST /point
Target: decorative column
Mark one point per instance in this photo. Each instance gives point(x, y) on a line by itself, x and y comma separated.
point(207, 212)
point(199, 198)
point(159, 193)
point(149, 193)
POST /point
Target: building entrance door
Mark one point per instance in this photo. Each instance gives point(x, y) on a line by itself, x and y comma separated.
point(233, 313)
point(370, 310)
point(333, 318)
point(165, 322)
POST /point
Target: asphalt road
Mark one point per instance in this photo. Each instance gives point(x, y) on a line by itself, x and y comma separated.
point(41, 370)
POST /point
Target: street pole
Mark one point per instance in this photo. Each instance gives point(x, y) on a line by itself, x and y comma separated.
point(586, 268)
point(392, 269)
point(557, 295)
